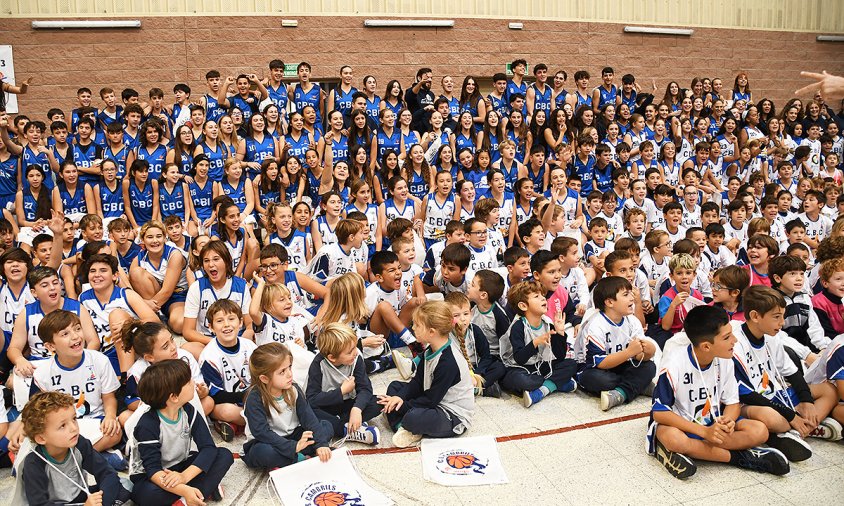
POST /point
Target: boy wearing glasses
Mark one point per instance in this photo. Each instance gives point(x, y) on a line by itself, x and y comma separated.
point(304, 291)
point(482, 255)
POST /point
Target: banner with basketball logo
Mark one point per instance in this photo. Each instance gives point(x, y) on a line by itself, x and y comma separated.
point(461, 462)
point(332, 483)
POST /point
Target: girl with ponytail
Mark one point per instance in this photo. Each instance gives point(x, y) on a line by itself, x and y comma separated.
point(442, 385)
point(486, 370)
point(152, 343)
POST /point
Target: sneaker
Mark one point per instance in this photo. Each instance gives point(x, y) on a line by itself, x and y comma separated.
point(828, 429)
point(492, 391)
point(766, 460)
point(791, 445)
point(226, 430)
point(403, 364)
point(218, 494)
point(531, 397)
point(366, 434)
point(404, 438)
point(476, 391)
point(649, 390)
point(677, 464)
point(569, 387)
point(611, 399)
point(416, 348)
point(386, 362)
point(115, 459)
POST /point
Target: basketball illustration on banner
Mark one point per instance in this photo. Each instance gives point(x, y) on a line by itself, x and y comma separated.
point(460, 463)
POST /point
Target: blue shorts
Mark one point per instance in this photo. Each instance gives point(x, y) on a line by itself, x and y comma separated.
point(783, 397)
point(430, 242)
point(175, 298)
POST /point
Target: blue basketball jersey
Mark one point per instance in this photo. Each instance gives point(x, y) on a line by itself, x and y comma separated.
point(141, 202)
point(202, 197)
point(111, 200)
point(72, 203)
point(172, 203)
point(156, 159)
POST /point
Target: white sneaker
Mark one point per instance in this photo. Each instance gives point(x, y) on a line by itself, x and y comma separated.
point(403, 438)
point(366, 434)
point(828, 429)
point(403, 364)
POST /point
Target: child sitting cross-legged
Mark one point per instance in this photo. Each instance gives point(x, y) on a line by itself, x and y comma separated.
point(695, 413)
point(771, 387)
point(487, 369)
point(339, 390)
point(438, 401)
point(281, 426)
point(169, 469)
point(616, 357)
point(534, 352)
point(56, 471)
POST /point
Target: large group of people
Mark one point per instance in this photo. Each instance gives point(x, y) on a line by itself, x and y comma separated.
point(245, 256)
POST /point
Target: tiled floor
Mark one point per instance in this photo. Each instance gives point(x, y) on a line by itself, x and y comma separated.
point(589, 464)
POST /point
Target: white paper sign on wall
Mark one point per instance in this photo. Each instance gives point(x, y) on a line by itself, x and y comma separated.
point(7, 73)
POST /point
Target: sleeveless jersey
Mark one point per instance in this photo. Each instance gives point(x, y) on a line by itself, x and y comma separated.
point(111, 200)
point(343, 99)
point(417, 186)
point(238, 292)
point(542, 100)
point(278, 96)
point(297, 246)
point(216, 160)
point(386, 142)
point(298, 147)
point(159, 271)
point(328, 234)
point(9, 176)
point(607, 96)
point(373, 107)
point(83, 157)
point(237, 193)
point(119, 157)
point(302, 98)
point(226, 371)
point(392, 212)
point(34, 314)
point(172, 203)
point(371, 213)
point(156, 159)
point(99, 313)
point(12, 305)
point(202, 197)
point(340, 148)
point(141, 202)
point(258, 151)
point(511, 174)
point(461, 141)
point(437, 216)
point(72, 203)
point(246, 107)
point(30, 157)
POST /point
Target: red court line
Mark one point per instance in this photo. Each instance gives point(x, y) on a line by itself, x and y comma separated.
point(514, 437)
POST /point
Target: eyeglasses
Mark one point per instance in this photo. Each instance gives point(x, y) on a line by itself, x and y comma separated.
point(717, 287)
point(270, 267)
point(665, 244)
point(482, 232)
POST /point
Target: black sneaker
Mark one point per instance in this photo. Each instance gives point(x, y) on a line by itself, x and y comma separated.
point(677, 464)
point(765, 460)
point(791, 445)
point(493, 391)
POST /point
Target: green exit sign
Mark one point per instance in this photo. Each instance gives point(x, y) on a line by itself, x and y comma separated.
point(290, 69)
point(507, 69)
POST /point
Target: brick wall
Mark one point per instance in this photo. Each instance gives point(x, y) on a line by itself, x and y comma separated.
point(181, 49)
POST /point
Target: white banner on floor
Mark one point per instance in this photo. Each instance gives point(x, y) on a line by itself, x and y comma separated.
point(332, 483)
point(461, 462)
